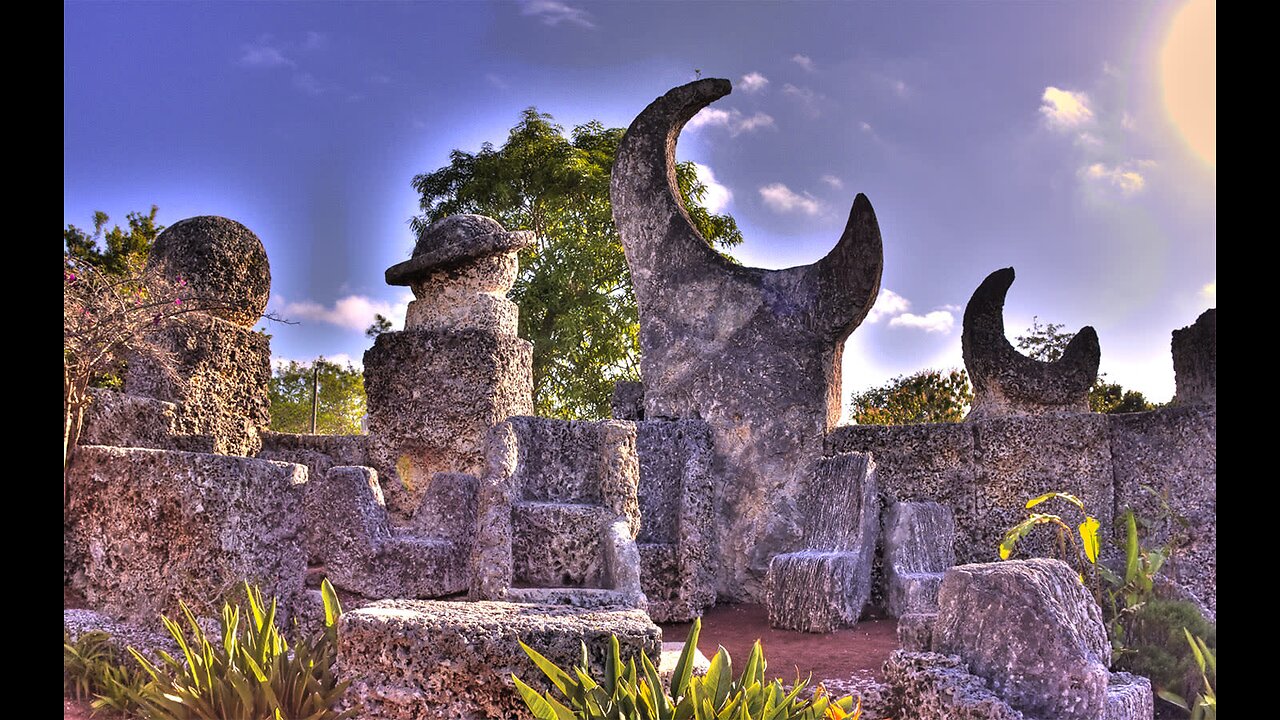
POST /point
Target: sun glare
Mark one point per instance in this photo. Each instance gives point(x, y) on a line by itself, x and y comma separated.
point(1188, 62)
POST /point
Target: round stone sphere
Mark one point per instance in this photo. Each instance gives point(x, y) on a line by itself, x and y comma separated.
point(219, 259)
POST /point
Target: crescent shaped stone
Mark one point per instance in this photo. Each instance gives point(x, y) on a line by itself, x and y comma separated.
point(1006, 382)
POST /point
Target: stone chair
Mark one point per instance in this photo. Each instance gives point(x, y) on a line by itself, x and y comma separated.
point(677, 570)
point(827, 584)
point(350, 531)
point(559, 515)
point(919, 546)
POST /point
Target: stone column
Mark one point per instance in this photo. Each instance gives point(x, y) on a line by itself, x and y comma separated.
point(1195, 361)
point(457, 369)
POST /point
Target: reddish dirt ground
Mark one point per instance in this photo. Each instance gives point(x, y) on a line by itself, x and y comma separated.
point(860, 650)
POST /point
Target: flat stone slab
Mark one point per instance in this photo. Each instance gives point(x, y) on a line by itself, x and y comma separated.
point(414, 659)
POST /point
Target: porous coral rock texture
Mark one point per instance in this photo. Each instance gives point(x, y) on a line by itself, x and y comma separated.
point(919, 545)
point(411, 660)
point(1195, 361)
point(221, 261)
point(931, 686)
point(157, 526)
point(1031, 630)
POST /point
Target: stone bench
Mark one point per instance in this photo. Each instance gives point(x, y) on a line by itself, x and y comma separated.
point(415, 659)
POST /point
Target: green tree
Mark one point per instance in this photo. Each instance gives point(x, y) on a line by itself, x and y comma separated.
point(123, 252)
point(574, 288)
point(1047, 343)
point(340, 400)
point(380, 325)
point(929, 396)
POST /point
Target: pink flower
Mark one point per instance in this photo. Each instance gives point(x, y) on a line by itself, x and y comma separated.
point(182, 282)
point(70, 276)
point(177, 301)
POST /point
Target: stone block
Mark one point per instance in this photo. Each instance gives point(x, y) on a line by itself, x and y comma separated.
point(1170, 456)
point(218, 375)
point(1195, 361)
point(930, 686)
point(120, 420)
point(915, 631)
point(1129, 698)
point(432, 398)
point(1031, 630)
point(429, 659)
point(156, 526)
point(627, 402)
point(919, 544)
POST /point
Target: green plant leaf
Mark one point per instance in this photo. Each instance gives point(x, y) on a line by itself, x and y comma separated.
point(558, 677)
point(684, 665)
point(541, 708)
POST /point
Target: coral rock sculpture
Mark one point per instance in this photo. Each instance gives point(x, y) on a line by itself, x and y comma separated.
point(754, 352)
point(1006, 382)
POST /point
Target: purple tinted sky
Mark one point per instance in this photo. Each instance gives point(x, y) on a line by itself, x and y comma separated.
point(986, 135)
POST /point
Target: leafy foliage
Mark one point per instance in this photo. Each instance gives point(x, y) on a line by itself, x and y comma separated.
point(124, 253)
point(92, 668)
point(1047, 343)
point(1126, 595)
point(340, 398)
point(625, 693)
point(1090, 545)
point(1205, 706)
point(251, 673)
point(380, 325)
point(1159, 649)
point(929, 396)
point(574, 290)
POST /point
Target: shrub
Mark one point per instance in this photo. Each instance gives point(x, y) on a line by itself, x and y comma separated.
point(252, 673)
point(1159, 649)
point(93, 668)
point(624, 692)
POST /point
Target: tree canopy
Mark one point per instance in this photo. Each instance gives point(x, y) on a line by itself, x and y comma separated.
point(122, 252)
point(928, 396)
point(574, 288)
point(340, 400)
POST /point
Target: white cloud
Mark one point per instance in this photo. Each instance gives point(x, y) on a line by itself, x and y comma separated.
point(900, 88)
point(888, 303)
point(353, 312)
point(263, 53)
point(1127, 122)
point(307, 83)
point(754, 82)
point(1109, 69)
point(939, 321)
point(717, 196)
point(781, 198)
point(554, 12)
point(496, 81)
point(379, 79)
point(803, 61)
point(833, 181)
point(734, 120)
point(866, 126)
point(1210, 292)
point(807, 98)
point(315, 40)
point(1088, 139)
point(343, 359)
point(1124, 177)
point(1064, 109)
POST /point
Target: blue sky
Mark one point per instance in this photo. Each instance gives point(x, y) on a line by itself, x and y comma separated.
point(1065, 139)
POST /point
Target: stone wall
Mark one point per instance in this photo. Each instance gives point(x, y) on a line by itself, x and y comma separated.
point(318, 452)
point(986, 470)
point(148, 528)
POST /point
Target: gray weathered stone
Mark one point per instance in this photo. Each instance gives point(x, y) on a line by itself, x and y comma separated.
point(919, 545)
point(319, 453)
point(453, 241)
point(157, 526)
point(930, 686)
point(754, 352)
point(349, 530)
point(677, 532)
point(627, 402)
point(1006, 382)
point(120, 420)
point(827, 584)
point(1032, 631)
point(409, 660)
point(1195, 361)
point(1170, 455)
point(915, 631)
point(223, 263)
point(218, 375)
point(558, 514)
point(432, 397)
point(1129, 698)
